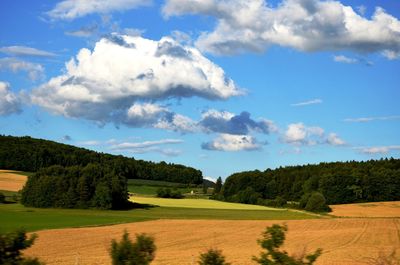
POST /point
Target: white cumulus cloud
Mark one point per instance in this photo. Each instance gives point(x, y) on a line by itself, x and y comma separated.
point(306, 25)
point(9, 102)
point(300, 134)
point(103, 84)
point(71, 9)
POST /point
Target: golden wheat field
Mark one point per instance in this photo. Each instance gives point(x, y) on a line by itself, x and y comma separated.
point(11, 180)
point(371, 209)
point(344, 241)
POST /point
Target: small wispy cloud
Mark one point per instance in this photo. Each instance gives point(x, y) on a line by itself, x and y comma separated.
point(350, 60)
point(368, 119)
point(308, 102)
point(25, 51)
point(35, 71)
point(90, 143)
point(83, 32)
point(374, 150)
point(148, 146)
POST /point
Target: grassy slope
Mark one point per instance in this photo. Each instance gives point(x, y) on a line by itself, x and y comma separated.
point(13, 216)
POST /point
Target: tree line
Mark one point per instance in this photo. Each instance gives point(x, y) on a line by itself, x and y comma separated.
point(338, 182)
point(30, 154)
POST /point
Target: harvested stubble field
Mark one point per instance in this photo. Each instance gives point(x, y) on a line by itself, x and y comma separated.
point(344, 241)
point(371, 209)
point(11, 180)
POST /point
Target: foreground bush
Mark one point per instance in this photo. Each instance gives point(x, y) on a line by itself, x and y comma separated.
point(142, 252)
point(12, 244)
point(212, 257)
point(273, 239)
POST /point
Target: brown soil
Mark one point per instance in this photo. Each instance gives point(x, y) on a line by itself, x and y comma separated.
point(11, 181)
point(371, 209)
point(344, 241)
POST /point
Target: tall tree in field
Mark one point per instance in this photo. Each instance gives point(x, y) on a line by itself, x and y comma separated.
point(218, 186)
point(273, 239)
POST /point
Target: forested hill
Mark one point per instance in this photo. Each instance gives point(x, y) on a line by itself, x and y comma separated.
point(30, 154)
point(339, 182)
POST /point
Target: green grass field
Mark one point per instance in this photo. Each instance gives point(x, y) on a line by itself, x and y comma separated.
point(199, 203)
point(13, 216)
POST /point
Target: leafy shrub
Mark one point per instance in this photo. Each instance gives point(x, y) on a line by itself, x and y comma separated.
point(125, 252)
point(168, 193)
point(317, 203)
point(212, 257)
point(2, 198)
point(273, 239)
point(12, 244)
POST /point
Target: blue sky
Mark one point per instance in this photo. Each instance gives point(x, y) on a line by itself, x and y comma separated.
point(223, 86)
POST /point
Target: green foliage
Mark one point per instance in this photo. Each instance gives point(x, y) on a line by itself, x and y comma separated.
point(2, 198)
point(339, 182)
point(29, 154)
point(76, 187)
point(277, 202)
point(125, 252)
point(317, 203)
point(168, 193)
point(12, 244)
point(273, 239)
point(212, 257)
point(218, 186)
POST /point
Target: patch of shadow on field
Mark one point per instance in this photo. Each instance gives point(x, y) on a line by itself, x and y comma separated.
point(135, 205)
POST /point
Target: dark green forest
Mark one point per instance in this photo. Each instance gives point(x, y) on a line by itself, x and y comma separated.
point(30, 154)
point(338, 182)
point(93, 185)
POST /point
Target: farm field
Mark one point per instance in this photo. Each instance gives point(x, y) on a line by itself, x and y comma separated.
point(344, 241)
point(371, 209)
point(12, 180)
point(13, 216)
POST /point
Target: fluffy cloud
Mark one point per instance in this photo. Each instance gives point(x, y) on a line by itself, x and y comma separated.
point(34, 71)
point(232, 143)
point(229, 123)
point(148, 146)
point(378, 149)
point(299, 134)
point(25, 51)
point(333, 139)
point(153, 115)
point(368, 119)
point(306, 25)
point(9, 102)
point(103, 84)
point(71, 9)
point(308, 102)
